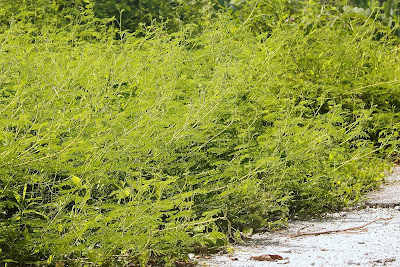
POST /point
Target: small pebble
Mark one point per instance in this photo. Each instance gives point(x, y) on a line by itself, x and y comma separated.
point(397, 208)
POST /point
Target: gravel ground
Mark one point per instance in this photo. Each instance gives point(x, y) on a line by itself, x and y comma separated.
point(375, 244)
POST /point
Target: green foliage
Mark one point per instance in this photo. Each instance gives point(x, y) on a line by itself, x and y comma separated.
point(386, 11)
point(130, 14)
point(389, 7)
point(146, 148)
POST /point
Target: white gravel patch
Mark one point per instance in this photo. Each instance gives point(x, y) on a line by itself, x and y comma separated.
point(376, 244)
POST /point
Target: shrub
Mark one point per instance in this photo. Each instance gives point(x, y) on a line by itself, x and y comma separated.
point(146, 148)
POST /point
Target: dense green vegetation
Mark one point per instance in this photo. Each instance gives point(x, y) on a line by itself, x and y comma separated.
point(138, 144)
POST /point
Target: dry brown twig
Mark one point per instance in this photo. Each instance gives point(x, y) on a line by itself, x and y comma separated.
point(304, 227)
point(341, 230)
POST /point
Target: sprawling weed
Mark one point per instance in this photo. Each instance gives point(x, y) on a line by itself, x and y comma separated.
point(150, 147)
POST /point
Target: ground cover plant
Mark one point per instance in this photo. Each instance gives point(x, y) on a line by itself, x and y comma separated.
point(143, 148)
